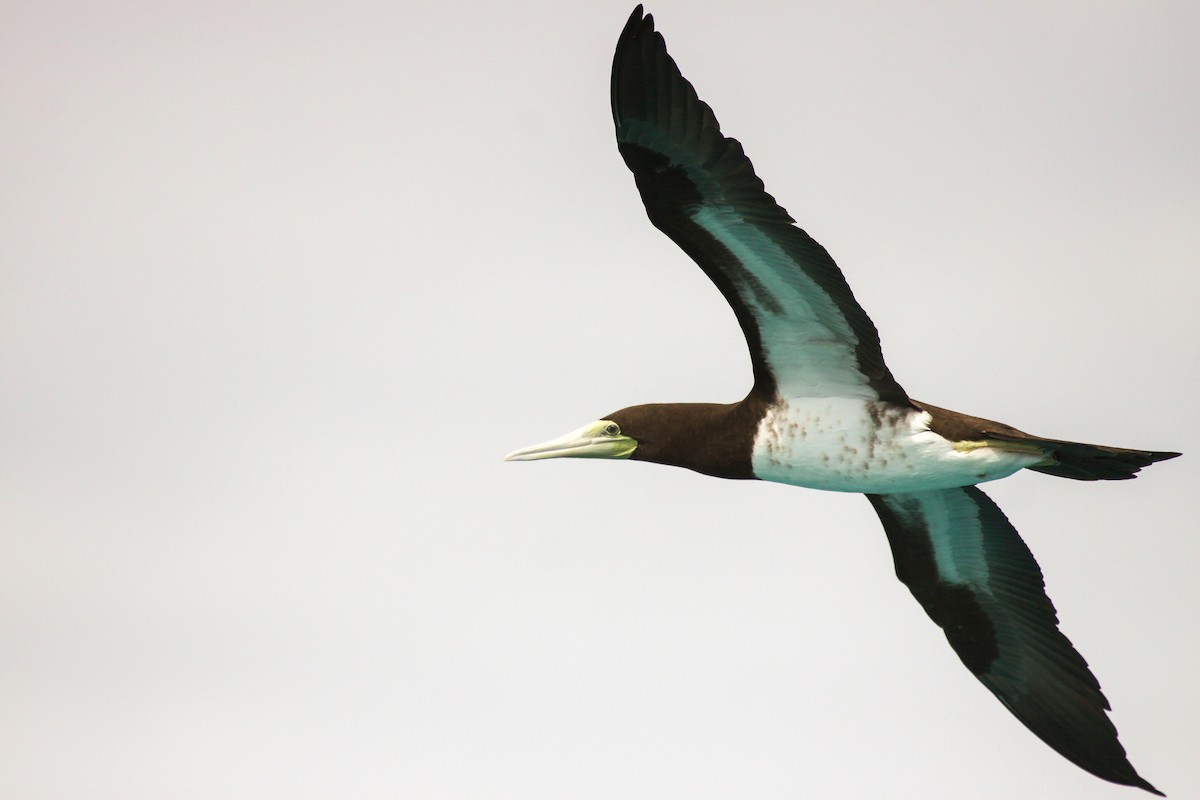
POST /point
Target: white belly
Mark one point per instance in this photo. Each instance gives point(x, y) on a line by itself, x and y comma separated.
point(849, 445)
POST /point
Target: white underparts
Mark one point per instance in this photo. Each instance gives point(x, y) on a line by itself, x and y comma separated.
point(850, 445)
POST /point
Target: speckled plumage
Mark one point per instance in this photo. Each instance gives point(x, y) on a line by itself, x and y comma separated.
point(849, 445)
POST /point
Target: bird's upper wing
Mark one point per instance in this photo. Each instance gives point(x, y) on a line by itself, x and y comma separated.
point(808, 336)
point(965, 563)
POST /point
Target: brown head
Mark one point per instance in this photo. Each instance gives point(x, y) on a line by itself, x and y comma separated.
point(713, 439)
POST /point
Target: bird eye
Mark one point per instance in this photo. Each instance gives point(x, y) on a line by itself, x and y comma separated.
point(612, 429)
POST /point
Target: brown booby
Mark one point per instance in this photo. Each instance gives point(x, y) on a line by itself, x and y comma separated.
point(825, 412)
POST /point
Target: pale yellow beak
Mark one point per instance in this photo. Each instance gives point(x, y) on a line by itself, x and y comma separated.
point(601, 439)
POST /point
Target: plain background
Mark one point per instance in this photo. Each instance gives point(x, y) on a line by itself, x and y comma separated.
point(280, 283)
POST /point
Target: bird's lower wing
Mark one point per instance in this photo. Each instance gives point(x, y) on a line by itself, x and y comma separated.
point(967, 566)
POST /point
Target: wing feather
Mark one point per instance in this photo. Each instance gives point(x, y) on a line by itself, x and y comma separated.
point(807, 334)
point(967, 566)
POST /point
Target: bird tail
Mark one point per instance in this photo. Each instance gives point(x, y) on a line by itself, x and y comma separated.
point(1091, 462)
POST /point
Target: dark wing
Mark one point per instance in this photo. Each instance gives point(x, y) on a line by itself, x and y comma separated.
point(965, 563)
point(807, 334)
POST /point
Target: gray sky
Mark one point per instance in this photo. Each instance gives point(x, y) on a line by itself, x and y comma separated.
point(280, 283)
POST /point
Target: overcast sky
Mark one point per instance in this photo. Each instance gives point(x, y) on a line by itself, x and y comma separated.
point(280, 284)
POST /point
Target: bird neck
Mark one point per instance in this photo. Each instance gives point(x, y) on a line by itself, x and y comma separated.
point(710, 438)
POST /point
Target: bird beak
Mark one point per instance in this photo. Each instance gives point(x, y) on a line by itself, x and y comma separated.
point(590, 441)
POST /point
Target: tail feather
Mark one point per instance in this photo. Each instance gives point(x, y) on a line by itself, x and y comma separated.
point(1094, 462)
point(1080, 462)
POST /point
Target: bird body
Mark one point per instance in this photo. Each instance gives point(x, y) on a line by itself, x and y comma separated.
point(825, 412)
point(849, 445)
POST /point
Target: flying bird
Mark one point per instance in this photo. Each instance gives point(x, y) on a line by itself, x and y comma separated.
point(825, 412)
